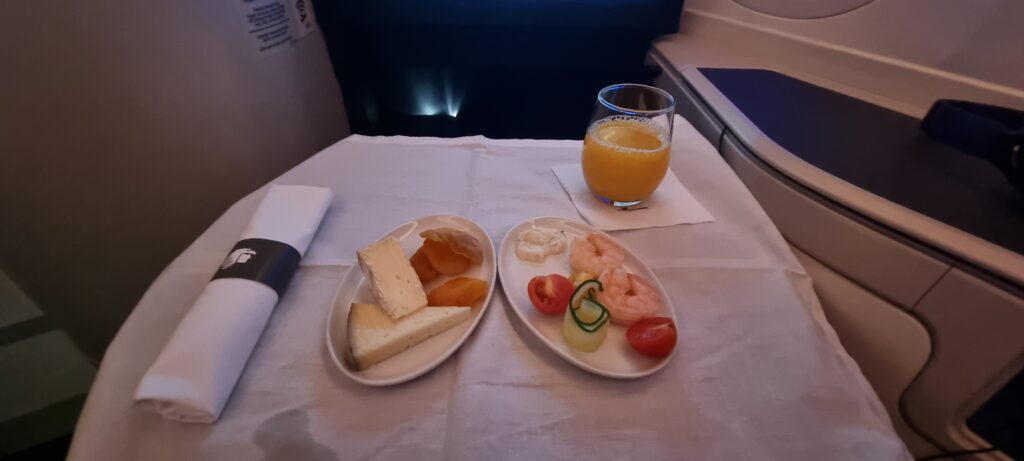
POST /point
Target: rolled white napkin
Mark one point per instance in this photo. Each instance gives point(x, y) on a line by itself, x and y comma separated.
point(195, 373)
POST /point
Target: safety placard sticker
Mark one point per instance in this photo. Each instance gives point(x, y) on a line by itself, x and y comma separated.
point(275, 24)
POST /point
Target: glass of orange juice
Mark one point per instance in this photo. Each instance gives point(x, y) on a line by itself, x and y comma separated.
point(626, 149)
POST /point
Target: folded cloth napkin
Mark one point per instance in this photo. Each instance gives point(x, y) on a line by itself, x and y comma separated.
point(196, 371)
point(669, 205)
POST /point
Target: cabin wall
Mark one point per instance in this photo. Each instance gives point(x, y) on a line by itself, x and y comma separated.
point(978, 38)
point(126, 128)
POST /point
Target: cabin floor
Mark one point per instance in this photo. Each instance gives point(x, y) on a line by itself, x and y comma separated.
point(39, 408)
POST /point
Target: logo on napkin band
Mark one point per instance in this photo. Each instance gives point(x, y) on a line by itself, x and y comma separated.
point(239, 256)
point(261, 260)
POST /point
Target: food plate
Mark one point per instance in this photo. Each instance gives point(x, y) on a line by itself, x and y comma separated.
point(428, 354)
point(615, 358)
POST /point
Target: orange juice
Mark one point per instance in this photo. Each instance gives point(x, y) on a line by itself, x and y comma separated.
point(625, 158)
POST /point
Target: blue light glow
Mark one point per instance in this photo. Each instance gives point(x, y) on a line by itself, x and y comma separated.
point(433, 95)
point(451, 102)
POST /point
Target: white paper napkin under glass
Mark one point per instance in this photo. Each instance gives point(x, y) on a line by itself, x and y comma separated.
point(669, 205)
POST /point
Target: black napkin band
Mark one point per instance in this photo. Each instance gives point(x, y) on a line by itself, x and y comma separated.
point(989, 132)
point(269, 262)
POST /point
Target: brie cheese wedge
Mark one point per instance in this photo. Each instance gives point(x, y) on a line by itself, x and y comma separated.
point(392, 279)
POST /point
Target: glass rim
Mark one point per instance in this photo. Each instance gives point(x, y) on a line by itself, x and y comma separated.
point(604, 102)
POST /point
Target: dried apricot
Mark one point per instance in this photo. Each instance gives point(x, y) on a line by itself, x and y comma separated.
point(424, 270)
point(443, 259)
point(459, 291)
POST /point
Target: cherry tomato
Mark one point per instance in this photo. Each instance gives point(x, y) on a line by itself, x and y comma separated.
point(550, 293)
point(653, 336)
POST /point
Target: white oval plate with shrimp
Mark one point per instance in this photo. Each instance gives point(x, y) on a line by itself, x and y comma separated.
point(615, 358)
point(428, 354)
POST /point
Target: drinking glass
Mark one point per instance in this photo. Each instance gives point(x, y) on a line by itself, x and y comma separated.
point(626, 149)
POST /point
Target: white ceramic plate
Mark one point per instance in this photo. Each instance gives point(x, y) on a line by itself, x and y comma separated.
point(424, 356)
point(616, 358)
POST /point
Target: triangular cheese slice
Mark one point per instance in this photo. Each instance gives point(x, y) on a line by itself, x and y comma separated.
point(373, 336)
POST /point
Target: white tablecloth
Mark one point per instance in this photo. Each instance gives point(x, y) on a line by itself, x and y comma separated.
point(759, 373)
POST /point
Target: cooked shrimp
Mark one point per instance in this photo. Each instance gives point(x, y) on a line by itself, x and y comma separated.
point(595, 254)
point(628, 297)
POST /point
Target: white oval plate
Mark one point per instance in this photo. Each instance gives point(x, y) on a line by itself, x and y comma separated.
point(616, 358)
point(423, 357)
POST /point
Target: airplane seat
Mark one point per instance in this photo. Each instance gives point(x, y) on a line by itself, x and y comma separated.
point(915, 249)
